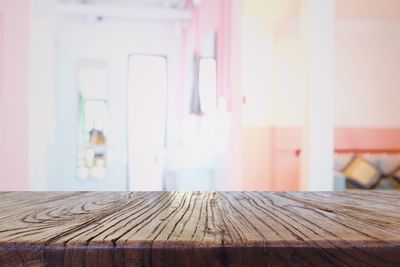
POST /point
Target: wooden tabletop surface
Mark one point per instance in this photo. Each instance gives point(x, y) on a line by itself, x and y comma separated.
point(200, 229)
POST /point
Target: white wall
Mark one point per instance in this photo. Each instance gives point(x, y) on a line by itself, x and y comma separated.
point(367, 60)
point(257, 73)
point(288, 83)
point(41, 93)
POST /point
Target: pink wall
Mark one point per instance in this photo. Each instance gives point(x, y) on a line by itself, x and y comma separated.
point(14, 19)
point(269, 161)
point(257, 162)
point(367, 138)
point(269, 158)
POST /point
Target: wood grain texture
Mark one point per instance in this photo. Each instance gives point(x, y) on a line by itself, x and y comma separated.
point(360, 228)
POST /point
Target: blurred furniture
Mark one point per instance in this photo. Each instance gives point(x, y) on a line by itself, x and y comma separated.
point(367, 169)
point(199, 229)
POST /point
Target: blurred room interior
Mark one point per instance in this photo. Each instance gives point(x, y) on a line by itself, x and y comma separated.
point(263, 95)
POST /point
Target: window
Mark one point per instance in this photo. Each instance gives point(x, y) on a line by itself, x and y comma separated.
point(93, 120)
point(208, 84)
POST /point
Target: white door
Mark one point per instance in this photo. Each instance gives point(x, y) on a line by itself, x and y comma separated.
point(147, 104)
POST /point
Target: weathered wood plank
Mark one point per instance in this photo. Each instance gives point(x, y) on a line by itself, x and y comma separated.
point(360, 228)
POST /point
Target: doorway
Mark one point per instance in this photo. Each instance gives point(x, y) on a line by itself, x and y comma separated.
point(147, 110)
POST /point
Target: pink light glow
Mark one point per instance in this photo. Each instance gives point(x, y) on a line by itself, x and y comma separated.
point(260, 58)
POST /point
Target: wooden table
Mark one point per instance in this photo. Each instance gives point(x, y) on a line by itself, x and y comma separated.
point(200, 229)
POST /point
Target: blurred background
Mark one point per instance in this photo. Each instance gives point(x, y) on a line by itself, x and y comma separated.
point(278, 95)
